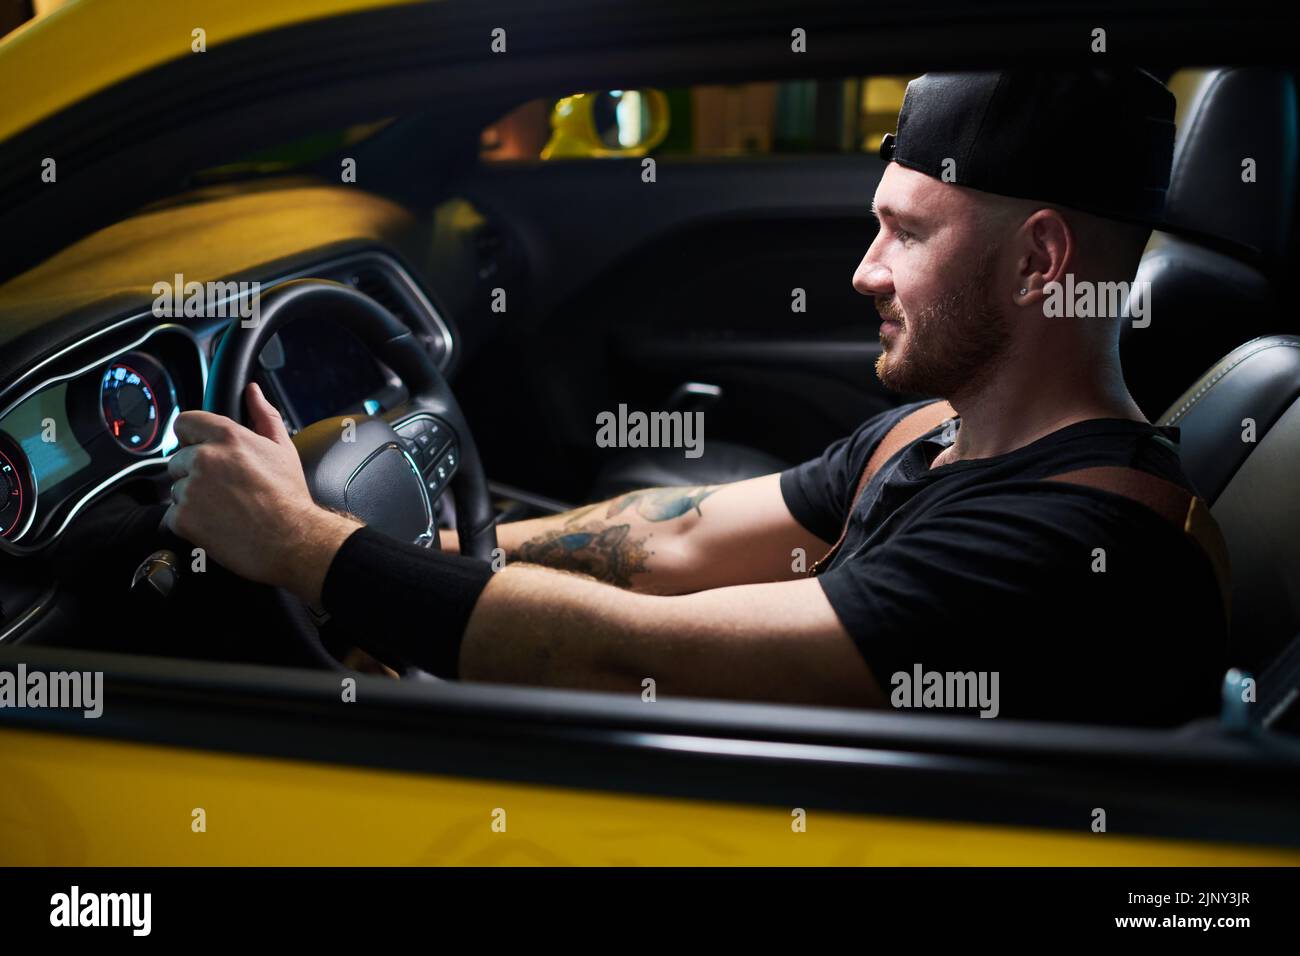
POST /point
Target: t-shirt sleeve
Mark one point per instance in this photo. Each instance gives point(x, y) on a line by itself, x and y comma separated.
point(818, 492)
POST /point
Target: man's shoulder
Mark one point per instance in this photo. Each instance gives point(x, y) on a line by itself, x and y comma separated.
point(1143, 452)
point(1061, 516)
point(1135, 445)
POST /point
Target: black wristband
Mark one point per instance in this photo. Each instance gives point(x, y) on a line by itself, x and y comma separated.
point(403, 602)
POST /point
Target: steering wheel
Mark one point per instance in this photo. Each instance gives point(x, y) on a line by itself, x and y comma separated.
point(389, 470)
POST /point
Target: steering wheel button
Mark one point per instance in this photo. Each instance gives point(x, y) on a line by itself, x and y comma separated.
point(411, 429)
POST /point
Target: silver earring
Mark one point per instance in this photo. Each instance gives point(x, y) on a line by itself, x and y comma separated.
point(1023, 291)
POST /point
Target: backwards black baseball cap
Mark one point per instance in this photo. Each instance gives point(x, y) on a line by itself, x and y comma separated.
point(1101, 141)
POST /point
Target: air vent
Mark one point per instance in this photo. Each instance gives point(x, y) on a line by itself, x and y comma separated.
point(381, 288)
point(385, 289)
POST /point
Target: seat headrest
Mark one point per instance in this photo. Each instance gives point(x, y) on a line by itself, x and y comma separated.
point(1258, 381)
point(1240, 441)
point(1235, 115)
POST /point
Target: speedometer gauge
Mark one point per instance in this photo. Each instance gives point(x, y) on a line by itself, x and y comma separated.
point(16, 492)
point(136, 397)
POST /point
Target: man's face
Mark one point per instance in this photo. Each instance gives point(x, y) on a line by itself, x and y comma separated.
point(931, 270)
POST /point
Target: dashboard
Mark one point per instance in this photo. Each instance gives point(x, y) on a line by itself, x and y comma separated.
point(102, 409)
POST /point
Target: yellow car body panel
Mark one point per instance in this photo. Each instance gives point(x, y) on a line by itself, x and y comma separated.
point(74, 801)
point(87, 46)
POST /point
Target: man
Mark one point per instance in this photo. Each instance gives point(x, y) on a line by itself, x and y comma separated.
point(988, 539)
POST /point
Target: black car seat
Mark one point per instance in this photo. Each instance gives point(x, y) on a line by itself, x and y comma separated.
point(1213, 273)
point(1240, 432)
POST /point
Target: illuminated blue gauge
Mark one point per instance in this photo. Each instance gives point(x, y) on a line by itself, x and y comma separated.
point(136, 398)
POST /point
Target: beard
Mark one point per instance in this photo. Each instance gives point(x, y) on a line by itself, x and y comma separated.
point(951, 345)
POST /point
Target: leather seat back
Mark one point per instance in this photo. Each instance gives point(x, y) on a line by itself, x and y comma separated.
point(1211, 271)
point(1240, 432)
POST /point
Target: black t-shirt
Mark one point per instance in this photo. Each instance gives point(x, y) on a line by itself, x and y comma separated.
point(982, 566)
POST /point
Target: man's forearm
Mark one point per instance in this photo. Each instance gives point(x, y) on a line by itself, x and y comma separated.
point(779, 641)
point(634, 541)
point(457, 618)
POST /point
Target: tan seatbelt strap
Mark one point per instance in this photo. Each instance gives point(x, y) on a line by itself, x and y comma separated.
point(907, 430)
point(1172, 502)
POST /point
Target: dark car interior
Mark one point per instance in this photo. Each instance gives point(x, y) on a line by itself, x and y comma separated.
point(546, 291)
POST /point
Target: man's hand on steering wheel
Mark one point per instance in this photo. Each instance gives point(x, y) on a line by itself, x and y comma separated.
point(240, 493)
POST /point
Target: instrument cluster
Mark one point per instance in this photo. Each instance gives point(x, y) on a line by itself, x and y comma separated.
point(67, 436)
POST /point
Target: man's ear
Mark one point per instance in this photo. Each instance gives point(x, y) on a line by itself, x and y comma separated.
point(1046, 246)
